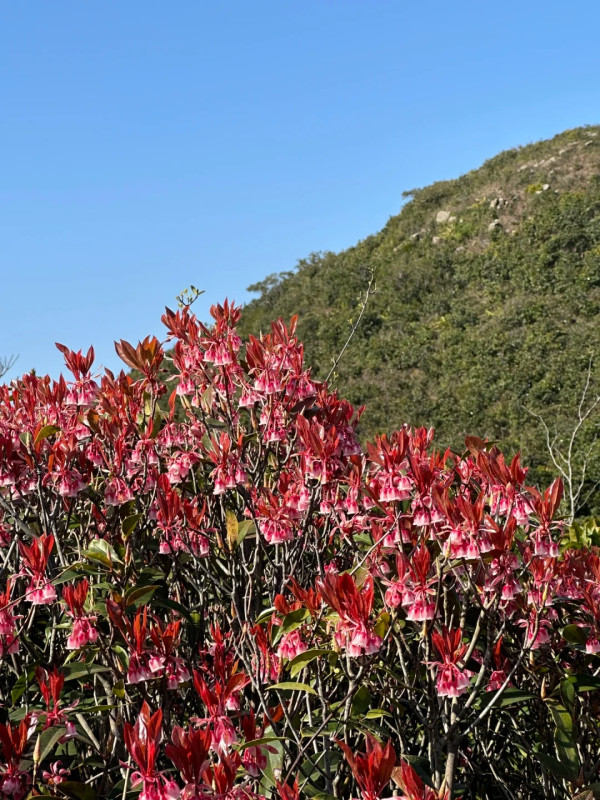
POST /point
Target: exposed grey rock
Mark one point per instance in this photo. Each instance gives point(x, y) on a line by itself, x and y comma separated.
point(436, 239)
point(442, 216)
point(495, 224)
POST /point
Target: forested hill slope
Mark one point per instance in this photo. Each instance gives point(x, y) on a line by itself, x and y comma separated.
point(487, 304)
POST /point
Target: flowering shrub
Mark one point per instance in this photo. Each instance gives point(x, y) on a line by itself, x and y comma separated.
point(232, 600)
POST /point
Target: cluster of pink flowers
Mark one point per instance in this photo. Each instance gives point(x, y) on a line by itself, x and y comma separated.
point(214, 544)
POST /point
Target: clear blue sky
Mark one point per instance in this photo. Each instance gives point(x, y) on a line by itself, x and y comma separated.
point(150, 145)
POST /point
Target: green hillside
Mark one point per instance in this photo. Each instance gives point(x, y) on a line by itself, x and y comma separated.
point(487, 304)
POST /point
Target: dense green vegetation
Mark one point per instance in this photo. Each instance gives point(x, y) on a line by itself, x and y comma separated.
point(482, 312)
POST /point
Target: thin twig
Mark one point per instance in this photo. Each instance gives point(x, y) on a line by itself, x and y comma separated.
point(363, 307)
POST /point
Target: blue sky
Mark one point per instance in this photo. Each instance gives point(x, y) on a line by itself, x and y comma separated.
point(147, 146)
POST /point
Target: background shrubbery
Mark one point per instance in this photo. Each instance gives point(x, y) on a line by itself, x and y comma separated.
point(478, 318)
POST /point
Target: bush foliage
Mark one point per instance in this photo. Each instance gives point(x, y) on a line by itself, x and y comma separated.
point(236, 601)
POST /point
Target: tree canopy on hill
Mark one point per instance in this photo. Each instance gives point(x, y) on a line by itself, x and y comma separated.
point(487, 306)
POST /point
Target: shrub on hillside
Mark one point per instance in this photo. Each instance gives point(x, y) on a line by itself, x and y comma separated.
point(234, 601)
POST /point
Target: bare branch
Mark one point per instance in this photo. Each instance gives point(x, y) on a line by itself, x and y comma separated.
point(572, 470)
point(7, 364)
point(363, 307)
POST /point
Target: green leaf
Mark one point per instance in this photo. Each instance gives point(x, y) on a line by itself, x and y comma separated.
point(363, 538)
point(360, 575)
point(119, 689)
point(45, 432)
point(292, 686)
point(382, 624)
point(291, 621)
point(298, 663)
point(71, 574)
point(139, 595)
point(245, 528)
point(156, 423)
point(266, 615)
point(567, 693)
point(166, 602)
point(21, 684)
point(556, 767)
point(48, 740)
point(361, 701)
point(585, 683)
point(78, 791)
point(509, 697)
point(121, 654)
point(100, 550)
point(574, 634)
point(73, 672)
point(562, 718)
point(130, 523)
point(261, 741)
point(563, 737)
point(232, 526)
point(377, 713)
point(274, 763)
